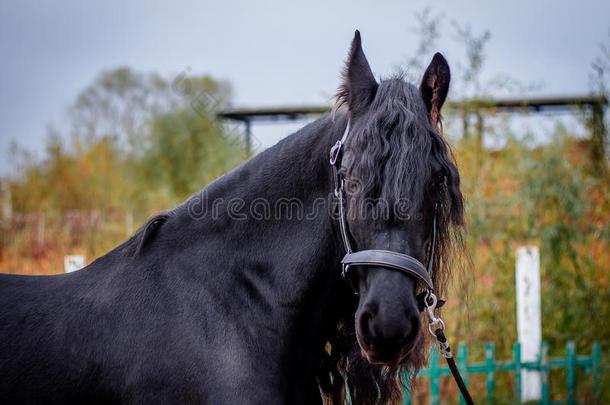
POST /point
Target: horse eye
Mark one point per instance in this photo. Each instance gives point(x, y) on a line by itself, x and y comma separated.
point(440, 180)
point(352, 187)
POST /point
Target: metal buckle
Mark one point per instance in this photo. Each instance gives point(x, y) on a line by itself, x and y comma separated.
point(344, 270)
point(434, 323)
point(339, 188)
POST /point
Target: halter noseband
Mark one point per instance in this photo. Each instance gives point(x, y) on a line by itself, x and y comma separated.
point(372, 257)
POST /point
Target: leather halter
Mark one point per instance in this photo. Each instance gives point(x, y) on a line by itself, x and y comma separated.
point(372, 257)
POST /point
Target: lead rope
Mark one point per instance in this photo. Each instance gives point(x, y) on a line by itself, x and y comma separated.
point(436, 326)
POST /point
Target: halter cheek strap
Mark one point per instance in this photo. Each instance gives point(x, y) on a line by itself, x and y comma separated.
point(371, 257)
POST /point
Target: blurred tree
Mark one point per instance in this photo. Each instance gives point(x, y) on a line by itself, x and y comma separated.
point(185, 150)
point(121, 102)
point(597, 122)
point(133, 138)
point(427, 28)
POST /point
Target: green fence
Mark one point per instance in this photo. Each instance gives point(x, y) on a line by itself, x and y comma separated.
point(591, 364)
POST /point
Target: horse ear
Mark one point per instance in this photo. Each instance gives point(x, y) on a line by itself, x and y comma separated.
point(359, 86)
point(435, 85)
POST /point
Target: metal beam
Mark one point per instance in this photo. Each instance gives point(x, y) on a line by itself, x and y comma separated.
point(595, 104)
point(513, 105)
point(273, 113)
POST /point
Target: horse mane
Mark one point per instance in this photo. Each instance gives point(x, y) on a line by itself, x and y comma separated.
point(397, 154)
point(144, 235)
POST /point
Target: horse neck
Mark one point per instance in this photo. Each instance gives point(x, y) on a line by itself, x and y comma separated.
point(280, 272)
point(279, 202)
point(283, 268)
point(285, 188)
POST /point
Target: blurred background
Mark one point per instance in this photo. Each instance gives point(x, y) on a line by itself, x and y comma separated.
point(112, 111)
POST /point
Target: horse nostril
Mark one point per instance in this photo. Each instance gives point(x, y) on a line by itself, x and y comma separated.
point(412, 329)
point(385, 332)
point(367, 327)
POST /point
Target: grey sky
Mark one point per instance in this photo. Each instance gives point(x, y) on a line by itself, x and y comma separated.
point(272, 53)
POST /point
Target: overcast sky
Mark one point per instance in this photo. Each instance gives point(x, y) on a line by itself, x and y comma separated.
point(272, 53)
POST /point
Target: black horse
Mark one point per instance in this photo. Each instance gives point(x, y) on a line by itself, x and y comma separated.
point(236, 296)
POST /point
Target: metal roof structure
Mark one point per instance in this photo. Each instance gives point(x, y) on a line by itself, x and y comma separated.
point(595, 103)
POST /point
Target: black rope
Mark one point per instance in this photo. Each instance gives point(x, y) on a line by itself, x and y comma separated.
point(453, 367)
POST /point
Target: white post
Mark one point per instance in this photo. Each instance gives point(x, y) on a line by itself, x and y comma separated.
point(529, 326)
point(73, 263)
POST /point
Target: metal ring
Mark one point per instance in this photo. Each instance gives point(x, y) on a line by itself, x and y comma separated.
point(334, 152)
point(432, 326)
